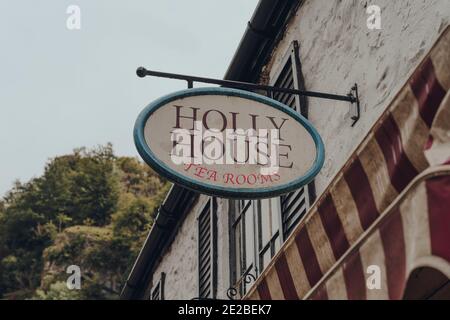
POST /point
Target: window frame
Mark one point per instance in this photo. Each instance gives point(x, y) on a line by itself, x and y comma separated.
point(248, 269)
point(274, 237)
point(158, 285)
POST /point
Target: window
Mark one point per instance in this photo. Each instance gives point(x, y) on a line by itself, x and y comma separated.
point(157, 292)
point(255, 238)
point(207, 249)
point(295, 204)
point(259, 227)
point(269, 230)
point(242, 235)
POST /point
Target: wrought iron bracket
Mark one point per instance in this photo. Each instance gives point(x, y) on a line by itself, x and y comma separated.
point(354, 93)
point(351, 97)
point(247, 278)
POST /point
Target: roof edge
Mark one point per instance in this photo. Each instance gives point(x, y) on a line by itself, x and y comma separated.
point(263, 33)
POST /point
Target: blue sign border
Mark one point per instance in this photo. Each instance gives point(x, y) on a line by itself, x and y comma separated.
point(236, 193)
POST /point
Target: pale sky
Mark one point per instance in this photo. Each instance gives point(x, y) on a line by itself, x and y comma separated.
point(61, 89)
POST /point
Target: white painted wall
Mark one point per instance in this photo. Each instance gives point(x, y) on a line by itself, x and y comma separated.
point(337, 50)
point(180, 261)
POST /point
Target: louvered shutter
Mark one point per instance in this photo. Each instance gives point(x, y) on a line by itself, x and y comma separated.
point(295, 204)
point(207, 251)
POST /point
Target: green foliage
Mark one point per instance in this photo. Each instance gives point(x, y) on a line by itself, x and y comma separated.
point(89, 208)
point(134, 216)
point(57, 291)
point(138, 179)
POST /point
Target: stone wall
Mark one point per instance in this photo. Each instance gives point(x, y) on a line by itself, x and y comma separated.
point(337, 49)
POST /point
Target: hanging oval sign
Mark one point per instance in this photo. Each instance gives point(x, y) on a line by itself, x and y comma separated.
point(229, 143)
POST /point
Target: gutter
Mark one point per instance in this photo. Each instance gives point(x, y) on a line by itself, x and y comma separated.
point(263, 32)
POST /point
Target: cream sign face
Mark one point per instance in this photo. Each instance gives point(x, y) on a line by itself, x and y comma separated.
point(229, 143)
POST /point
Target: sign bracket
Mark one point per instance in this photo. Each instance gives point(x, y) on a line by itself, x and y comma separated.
point(351, 97)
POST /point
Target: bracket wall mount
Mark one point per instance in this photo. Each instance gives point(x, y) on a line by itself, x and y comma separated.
point(352, 96)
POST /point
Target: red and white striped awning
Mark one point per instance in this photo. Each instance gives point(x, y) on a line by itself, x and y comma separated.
point(389, 206)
